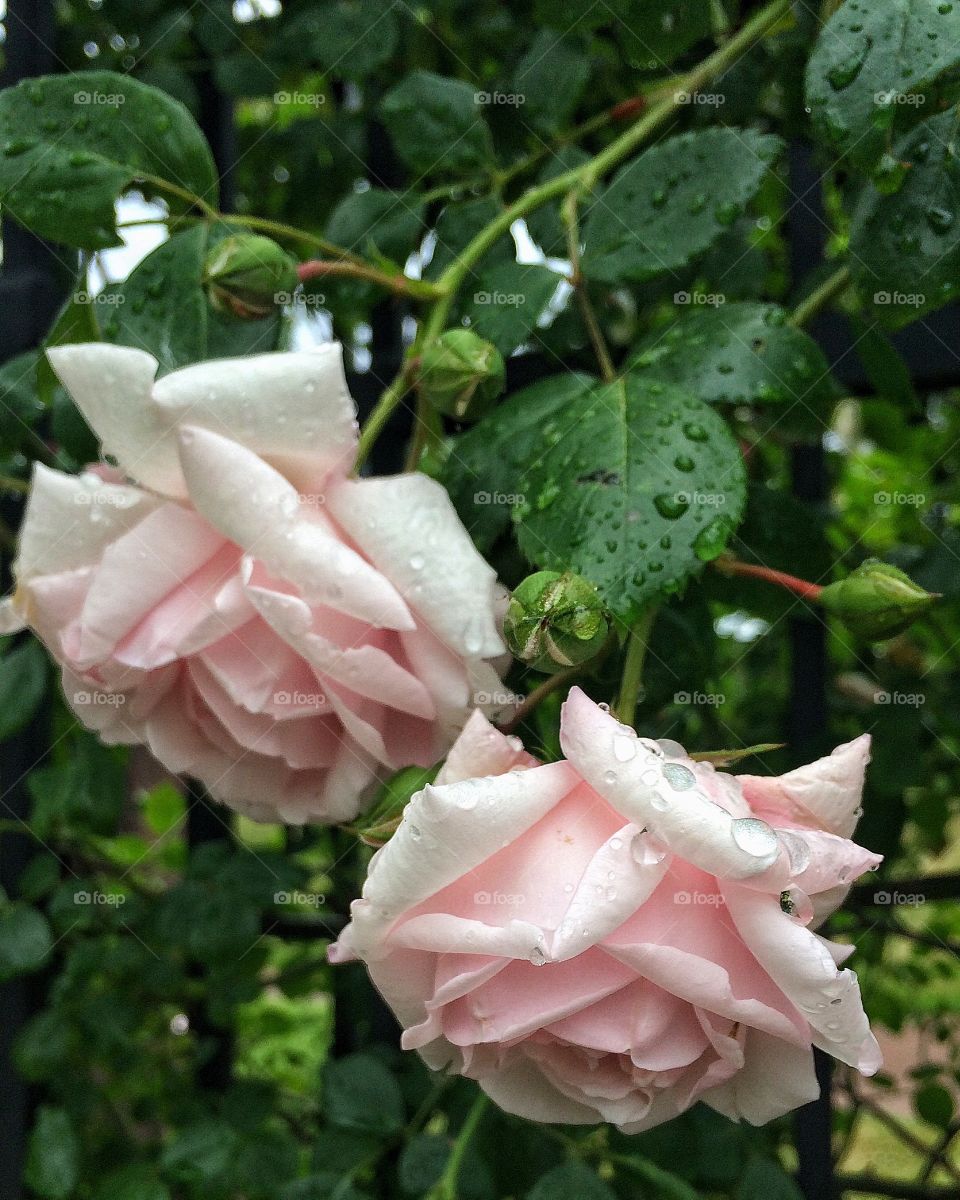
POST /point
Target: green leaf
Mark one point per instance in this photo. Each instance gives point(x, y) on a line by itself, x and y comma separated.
point(485, 477)
point(905, 250)
point(422, 1162)
point(162, 308)
point(765, 1179)
point(19, 401)
point(667, 1186)
point(25, 940)
point(70, 145)
point(886, 370)
point(871, 63)
point(571, 1181)
point(934, 1104)
point(507, 300)
point(360, 1093)
point(435, 124)
point(655, 32)
point(350, 39)
point(23, 679)
point(549, 80)
point(200, 1153)
point(377, 222)
point(739, 354)
point(132, 1183)
point(633, 485)
point(53, 1155)
point(76, 322)
point(671, 203)
point(458, 224)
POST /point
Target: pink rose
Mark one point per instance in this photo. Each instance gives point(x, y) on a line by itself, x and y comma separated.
point(618, 935)
point(263, 622)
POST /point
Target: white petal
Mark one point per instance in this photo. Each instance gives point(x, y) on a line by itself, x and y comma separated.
point(618, 765)
point(255, 507)
point(71, 519)
point(824, 794)
point(112, 387)
point(775, 1079)
point(408, 527)
point(293, 409)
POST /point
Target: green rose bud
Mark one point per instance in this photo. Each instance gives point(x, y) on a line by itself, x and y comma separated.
point(247, 275)
point(876, 601)
point(555, 621)
point(461, 374)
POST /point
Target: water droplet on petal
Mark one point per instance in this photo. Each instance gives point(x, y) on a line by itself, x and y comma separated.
point(624, 747)
point(680, 778)
point(754, 837)
point(538, 956)
point(797, 850)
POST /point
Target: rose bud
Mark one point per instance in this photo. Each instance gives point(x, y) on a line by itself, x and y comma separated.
point(461, 375)
point(876, 601)
point(244, 275)
point(556, 621)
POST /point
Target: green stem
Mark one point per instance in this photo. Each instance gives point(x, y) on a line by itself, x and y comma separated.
point(447, 1186)
point(391, 398)
point(632, 677)
point(281, 230)
point(400, 284)
point(191, 198)
point(820, 297)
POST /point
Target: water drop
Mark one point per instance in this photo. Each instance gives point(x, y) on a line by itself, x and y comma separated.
point(610, 777)
point(624, 747)
point(726, 214)
point(695, 432)
point(416, 562)
point(660, 802)
point(711, 540)
point(754, 837)
point(415, 832)
point(797, 850)
point(683, 462)
point(17, 146)
point(671, 506)
point(680, 778)
point(843, 73)
point(537, 956)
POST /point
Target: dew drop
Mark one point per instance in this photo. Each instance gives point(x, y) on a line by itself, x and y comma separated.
point(754, 837)
point(537, 956)
point(797, 850)
point(680, 778)
point(416, 562)
point(610, 777)
point(695, 432)
point(671, 506)
point(624, 747)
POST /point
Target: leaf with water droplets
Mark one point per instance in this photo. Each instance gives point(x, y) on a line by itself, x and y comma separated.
point(741, 353)
point(655, 215)
point(905, 249)
point(622, 513)
point(871, 68)
point(70, 146)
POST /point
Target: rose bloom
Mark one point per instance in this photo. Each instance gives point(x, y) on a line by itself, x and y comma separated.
point(263, 622)
point(618, 935)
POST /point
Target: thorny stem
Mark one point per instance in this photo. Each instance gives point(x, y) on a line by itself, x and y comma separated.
point(317, 268)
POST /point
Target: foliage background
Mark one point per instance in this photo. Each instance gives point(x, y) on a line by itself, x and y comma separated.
point(186, 1037)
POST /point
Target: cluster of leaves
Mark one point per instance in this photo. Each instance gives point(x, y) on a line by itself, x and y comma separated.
point(390, 137)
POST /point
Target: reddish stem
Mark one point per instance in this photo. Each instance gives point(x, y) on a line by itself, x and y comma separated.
point(791, 583)
point(628, 109)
